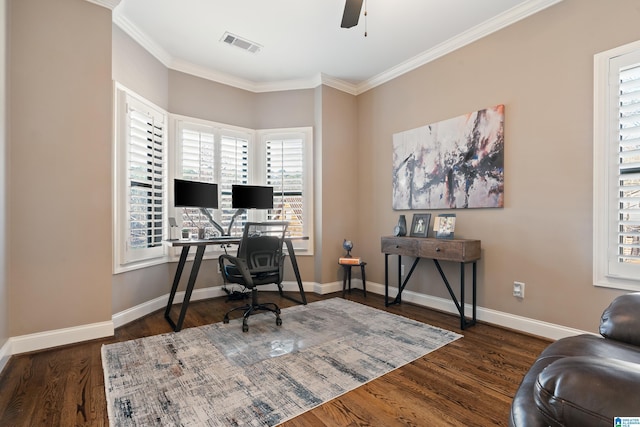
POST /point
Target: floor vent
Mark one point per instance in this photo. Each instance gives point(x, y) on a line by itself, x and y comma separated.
point(244, 44)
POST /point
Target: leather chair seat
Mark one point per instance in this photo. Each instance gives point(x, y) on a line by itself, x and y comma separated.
point(585, 380)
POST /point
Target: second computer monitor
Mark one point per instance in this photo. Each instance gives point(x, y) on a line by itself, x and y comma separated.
point(251, 197)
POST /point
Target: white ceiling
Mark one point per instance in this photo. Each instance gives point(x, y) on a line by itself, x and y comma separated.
point(302, 42)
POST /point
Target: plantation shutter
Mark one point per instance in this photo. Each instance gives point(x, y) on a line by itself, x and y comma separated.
point(146, 160)
point(284, 171)
point(629, 166)
point(234, 169)
point(197, 150)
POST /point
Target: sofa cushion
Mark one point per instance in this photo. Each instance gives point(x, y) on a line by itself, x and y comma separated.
point(620, 321)
point(587, 391)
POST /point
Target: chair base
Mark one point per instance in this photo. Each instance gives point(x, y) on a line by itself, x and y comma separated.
point(254, 308)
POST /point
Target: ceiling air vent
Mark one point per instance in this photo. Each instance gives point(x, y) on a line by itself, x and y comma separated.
point(244, 44)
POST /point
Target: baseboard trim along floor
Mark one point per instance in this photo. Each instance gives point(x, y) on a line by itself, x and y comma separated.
point(54, 338)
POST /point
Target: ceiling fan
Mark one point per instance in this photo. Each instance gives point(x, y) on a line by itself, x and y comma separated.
point(351, 13)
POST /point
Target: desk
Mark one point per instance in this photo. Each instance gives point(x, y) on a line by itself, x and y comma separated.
point(454, 250)
point(201, 245)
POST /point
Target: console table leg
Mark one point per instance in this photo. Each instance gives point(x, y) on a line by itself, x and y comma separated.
point(474, 293)
point(386, 280)
point(398, 299)
point(463, 319)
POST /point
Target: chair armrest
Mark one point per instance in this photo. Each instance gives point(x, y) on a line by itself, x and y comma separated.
point(621, 320)
point(240, 264)
point(587, 390)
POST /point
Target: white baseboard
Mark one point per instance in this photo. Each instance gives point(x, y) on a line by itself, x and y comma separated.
point(148, 307)
point(5, 354)
point(58, 337)
point(55, 338)
point(507, 320)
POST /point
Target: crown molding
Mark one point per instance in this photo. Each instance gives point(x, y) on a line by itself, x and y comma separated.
point(240, 83)
point(501, 21)
point(141, 38)
point(109, 4)
point(335, 83)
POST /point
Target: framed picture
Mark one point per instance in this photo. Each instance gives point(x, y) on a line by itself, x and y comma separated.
point(444, 226)
point(420, 225)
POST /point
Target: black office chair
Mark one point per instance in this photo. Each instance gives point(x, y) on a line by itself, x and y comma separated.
point(260, 261)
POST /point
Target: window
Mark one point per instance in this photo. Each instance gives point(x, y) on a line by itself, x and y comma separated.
point(617, 168)
point(234, 169)
point(286, 155)
point(144, 169)
point(227, 155)
point(141, 181)
point(208, 153)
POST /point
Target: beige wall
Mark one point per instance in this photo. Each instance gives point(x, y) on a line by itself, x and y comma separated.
point(542, 70)
point(59, 160)
point(204, 99)
point(338, 171)
point(138, 70)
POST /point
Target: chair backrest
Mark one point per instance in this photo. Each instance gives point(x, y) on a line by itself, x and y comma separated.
point(262, 245)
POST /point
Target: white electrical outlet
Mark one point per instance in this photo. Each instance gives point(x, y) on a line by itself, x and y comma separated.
point(402, 269)
point(518, 290)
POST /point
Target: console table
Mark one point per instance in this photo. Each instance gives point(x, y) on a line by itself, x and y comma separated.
point(462, 251)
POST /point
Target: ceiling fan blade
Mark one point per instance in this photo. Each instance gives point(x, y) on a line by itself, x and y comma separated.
point(351, 14)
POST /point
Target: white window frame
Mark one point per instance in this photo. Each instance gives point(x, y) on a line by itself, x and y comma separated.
point(124, 260)
point(256, 173)
point(179, 123)
point(306, 134)
point(605, 171)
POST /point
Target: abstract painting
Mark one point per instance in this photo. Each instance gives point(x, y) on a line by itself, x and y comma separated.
point(453, 164)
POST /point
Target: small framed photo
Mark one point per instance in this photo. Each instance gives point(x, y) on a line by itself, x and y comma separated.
point(444, 226)
point(420, 225)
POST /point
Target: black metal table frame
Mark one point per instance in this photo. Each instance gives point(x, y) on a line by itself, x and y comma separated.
point(195, 268)
point(464, 322)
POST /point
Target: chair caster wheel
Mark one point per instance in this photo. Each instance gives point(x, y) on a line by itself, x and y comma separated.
point(245, 327)
point(278, 321)
point(225, 320)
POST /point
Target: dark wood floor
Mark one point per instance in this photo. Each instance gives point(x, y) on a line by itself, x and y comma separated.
point(469, 382)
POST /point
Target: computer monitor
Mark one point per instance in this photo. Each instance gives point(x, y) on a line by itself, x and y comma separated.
point(194, 194)
point(251, 197)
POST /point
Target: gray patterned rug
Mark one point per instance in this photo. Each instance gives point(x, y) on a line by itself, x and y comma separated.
point(216, 375)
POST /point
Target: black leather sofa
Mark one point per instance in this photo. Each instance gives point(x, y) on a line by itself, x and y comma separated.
point(586, 380)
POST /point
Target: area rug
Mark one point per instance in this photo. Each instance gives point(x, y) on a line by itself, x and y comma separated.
point(216, 375)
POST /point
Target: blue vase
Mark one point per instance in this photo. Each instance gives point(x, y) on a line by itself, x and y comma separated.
point(402, 225)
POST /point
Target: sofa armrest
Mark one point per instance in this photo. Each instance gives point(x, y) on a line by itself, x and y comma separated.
point(621, 320)
point(587, 391)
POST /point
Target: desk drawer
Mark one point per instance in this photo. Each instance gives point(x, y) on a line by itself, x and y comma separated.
point(399, 246)
point(450, 250)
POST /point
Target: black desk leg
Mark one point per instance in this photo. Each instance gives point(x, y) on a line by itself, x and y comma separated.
point(176, 282)
point(296, 271)
point(190, 285)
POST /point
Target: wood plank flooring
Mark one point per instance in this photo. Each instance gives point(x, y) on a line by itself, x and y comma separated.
point(469, 382)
